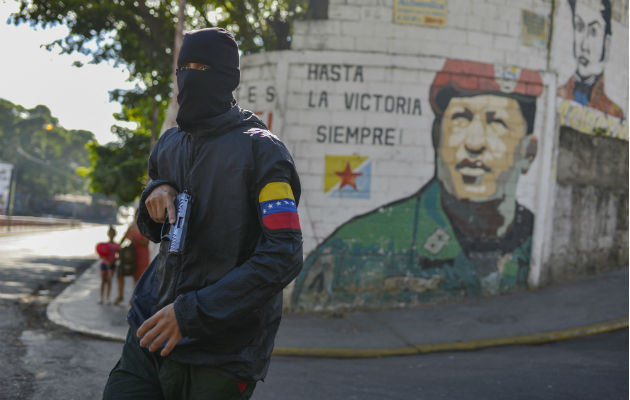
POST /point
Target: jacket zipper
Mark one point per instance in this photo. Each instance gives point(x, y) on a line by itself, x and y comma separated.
point(187, 188)
point(191, 162)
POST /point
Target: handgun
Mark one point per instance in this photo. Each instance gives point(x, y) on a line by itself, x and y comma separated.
point(177, 231)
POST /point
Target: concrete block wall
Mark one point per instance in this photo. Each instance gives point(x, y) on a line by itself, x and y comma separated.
point(589, 224)
point(590, 229)
point(352, 102)
point(366, 107)
point(479, 30)
point(258, 88)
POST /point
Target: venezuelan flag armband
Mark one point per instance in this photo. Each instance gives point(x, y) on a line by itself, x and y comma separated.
point(278, 209)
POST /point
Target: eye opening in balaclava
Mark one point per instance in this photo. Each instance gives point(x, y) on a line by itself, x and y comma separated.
point(207, 93)
point(192, 65)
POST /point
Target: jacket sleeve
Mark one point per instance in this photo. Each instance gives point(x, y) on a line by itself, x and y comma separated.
point(150, 229)
point(275, 262)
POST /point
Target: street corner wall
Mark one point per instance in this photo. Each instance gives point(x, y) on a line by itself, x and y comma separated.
point(493, 31)
point(258, 90)
point(590, 215)
point(421, 161)
point(590, 56)
point(400, 207)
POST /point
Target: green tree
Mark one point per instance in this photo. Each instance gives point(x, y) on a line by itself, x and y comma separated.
point(118, 168)
point(139, 35)
point(45, 155)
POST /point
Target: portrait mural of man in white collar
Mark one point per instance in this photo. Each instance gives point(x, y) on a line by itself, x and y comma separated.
point(592, 31)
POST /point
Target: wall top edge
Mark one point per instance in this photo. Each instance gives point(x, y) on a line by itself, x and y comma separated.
point(365, 59)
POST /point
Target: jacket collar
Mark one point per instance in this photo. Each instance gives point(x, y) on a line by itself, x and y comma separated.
point(223, 123)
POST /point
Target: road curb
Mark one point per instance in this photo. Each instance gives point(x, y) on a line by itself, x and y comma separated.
point(535, 338)
point(54, 315)
point(35, 231)
point(322, 352)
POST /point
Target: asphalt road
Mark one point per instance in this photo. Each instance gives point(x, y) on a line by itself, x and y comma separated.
point(589, 368)
point(43, 361)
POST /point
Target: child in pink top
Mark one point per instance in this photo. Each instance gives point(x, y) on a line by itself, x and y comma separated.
point(108, 251)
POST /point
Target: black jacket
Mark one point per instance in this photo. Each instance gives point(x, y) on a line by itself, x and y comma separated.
point(227, 285)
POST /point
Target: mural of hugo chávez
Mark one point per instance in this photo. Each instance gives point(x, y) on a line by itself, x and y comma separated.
point(591, 46)
point(463, 233)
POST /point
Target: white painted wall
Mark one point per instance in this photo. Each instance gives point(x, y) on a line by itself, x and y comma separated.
point(402, 60)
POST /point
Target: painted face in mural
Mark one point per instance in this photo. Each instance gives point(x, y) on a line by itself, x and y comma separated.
point(590, 40)
point(483, 147)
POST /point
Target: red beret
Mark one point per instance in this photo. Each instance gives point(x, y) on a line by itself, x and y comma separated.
point(459, 77)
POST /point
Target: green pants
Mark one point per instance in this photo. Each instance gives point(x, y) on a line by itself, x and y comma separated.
point(140, 374)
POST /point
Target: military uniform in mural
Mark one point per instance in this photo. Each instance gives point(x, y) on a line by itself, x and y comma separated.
point(409, 252)
point(463, 233)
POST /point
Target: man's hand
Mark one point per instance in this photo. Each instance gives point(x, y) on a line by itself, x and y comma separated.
point(160, 327)
point(162, 198)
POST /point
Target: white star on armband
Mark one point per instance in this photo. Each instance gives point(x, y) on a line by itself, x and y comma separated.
point(279, 203)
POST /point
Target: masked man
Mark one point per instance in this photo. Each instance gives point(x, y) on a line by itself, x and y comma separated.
point(591, 43)
point(463, 233)
point(203, 321)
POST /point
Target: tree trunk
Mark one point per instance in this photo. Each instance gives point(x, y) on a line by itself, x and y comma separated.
point(171, 112)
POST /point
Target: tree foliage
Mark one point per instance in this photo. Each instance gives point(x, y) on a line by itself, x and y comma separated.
point(115, 167)
point(138, 35)
point(45, 155)
point(118, 168)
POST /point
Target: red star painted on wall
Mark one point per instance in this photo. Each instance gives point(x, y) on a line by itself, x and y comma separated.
point(348, 177)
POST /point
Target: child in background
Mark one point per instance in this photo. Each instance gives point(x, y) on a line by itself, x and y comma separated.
point(108, 252)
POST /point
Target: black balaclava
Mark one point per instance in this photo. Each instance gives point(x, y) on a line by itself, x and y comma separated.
point(206, 94)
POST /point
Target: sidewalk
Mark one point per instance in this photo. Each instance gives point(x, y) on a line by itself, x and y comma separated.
point(586, 306)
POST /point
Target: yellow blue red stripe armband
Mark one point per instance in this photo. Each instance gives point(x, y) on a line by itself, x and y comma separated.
point(277, 206)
